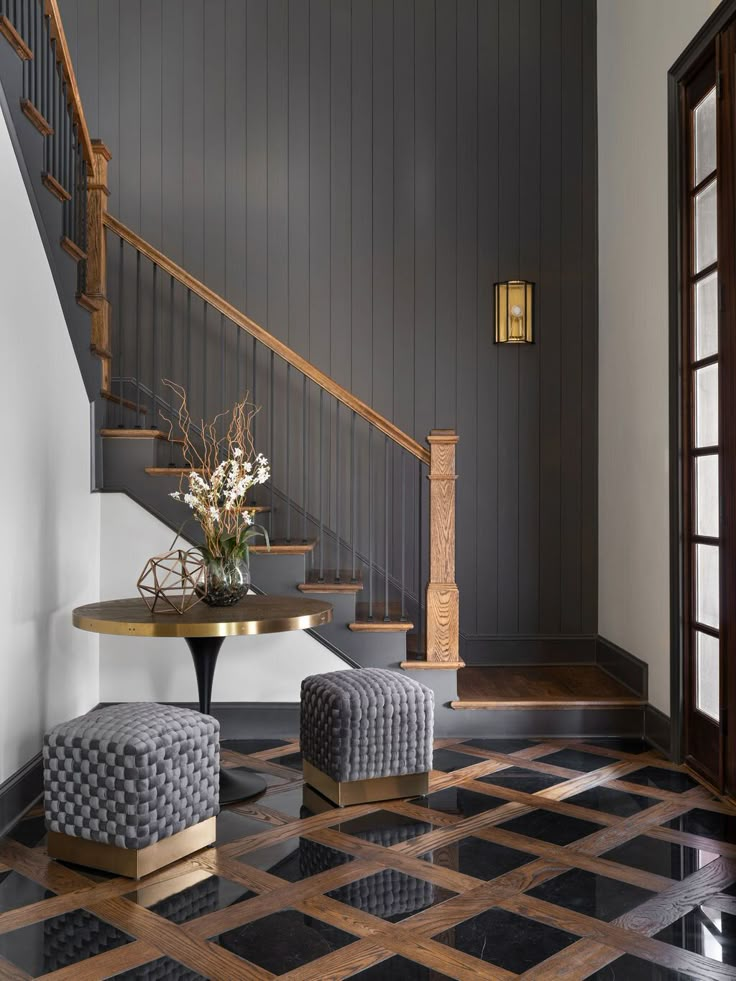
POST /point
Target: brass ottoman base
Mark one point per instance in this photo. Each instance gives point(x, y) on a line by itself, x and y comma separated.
point(346, 792)
point(133, 863)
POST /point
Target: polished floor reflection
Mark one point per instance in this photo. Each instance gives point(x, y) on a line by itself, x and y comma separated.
point(555, 860)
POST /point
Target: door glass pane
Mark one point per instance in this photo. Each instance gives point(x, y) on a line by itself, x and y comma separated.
point(706, 406)
point(705, 136)
point(707, 675)
point(706, 241)
point(706, 317)
point(706, 585)
point(706, 496)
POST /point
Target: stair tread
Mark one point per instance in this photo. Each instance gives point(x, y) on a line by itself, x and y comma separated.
point(541, 686)
point(280, 546)
point(380, 625)
point(122, 433)
point(328, 583)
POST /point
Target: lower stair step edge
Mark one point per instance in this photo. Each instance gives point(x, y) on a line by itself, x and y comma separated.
point(331, 581)
point(381, 626)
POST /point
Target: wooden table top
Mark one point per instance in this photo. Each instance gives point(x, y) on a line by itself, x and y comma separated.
point(252, 615)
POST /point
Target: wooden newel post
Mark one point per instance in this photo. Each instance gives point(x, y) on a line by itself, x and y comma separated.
point(443, 599)
point(97, 195)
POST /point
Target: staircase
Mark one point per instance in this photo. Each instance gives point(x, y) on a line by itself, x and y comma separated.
point(350, 511)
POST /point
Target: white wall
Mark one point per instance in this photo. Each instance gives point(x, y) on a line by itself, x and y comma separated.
point(50, 521)
point(638, 40)
point(267, 668)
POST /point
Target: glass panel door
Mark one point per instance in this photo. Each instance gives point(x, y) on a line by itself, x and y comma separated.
point(701, 437)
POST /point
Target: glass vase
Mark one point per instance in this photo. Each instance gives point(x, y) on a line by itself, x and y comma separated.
point(227, 581)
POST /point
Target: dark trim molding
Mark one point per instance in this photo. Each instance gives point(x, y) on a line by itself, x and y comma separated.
point(623, 666)
point(20, 791)
point(657, 729)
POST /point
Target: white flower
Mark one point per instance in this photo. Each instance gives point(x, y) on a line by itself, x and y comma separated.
point(237, 451)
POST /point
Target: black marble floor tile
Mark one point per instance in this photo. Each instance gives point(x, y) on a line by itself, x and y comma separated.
point(507, 940)
point(189, 896)
point(612, 801)
point(478, 857)
point(390, 895)
point(525, 781)
point(660, 857)
point(558, 829)
point(704, 931)
point(249, 746)
point(16, 890)
point(630, 968)
point(449, 760)
point(623, 744)
point(293, 761)
point(288, 802)
point(59, 942)
point(577, 759)
point(398, 969)
point(295, 858)
point(163, 969)
point(591, 894)
point(231, 826)
point(29, 831)
point(656, 776)
point(459, 801)
point(709, 824)
point(385, 828)
point(284, 941)
point(500, 745)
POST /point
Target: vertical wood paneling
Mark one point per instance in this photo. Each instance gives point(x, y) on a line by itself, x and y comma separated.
point(486, 447)
point(356, 176)
point(571, 245)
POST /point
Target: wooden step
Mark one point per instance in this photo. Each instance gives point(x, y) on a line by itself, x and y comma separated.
point(14, 39)
point(328, 583)
point(380, 626)
point(122, 433)
point(126, 403)
point(72, 249)
point(57, 189)
point(282, 547)
point(173, 472)
point(42, 124)
point(540, 687)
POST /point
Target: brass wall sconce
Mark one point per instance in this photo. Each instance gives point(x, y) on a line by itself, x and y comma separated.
point(514, 302)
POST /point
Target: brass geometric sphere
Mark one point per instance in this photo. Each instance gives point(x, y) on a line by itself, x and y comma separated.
point(168, 583)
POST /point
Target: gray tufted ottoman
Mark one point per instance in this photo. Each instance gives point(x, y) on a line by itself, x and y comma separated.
point(366, 735)
point(132, 787)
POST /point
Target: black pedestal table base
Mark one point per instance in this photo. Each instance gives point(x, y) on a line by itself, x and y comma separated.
point(238, 783)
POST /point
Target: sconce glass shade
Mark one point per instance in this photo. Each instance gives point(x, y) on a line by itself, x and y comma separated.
point(514, 302)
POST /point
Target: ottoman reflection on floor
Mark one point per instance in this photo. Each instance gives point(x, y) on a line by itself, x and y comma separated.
point(518, 854)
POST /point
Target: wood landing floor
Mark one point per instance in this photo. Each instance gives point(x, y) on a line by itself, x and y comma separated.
point(545, 860)
point(541, 686)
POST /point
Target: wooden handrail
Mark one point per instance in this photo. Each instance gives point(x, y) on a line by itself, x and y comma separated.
point(51, 9)
point(272, 343)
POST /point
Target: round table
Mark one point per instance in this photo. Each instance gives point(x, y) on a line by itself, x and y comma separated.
point(204, 628)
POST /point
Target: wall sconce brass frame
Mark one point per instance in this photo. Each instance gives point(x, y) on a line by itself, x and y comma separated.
point(514, 306)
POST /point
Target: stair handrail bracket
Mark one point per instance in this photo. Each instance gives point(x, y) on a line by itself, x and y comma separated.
point(443, 597)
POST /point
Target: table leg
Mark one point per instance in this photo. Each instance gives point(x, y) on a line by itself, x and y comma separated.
point(238, 783)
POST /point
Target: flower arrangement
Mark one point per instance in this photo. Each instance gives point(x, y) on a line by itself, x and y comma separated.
point(224, 469)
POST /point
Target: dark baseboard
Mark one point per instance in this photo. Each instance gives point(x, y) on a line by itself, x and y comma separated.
point(251, 720)
point(20, 791)
point(657, 729)
point(623, 666)
point(528, 649)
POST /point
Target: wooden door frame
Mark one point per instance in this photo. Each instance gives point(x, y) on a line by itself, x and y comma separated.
point(697, 53)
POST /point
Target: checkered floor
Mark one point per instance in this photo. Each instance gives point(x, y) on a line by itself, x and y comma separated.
point(554, 860)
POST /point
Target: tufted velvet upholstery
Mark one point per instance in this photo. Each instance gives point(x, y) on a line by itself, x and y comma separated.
point(361, 724)
point(131, 774)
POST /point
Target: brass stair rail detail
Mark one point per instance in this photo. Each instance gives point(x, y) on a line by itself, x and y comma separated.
point(320, 379)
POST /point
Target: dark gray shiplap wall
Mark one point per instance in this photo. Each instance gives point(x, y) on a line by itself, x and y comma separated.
point(355, 176)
